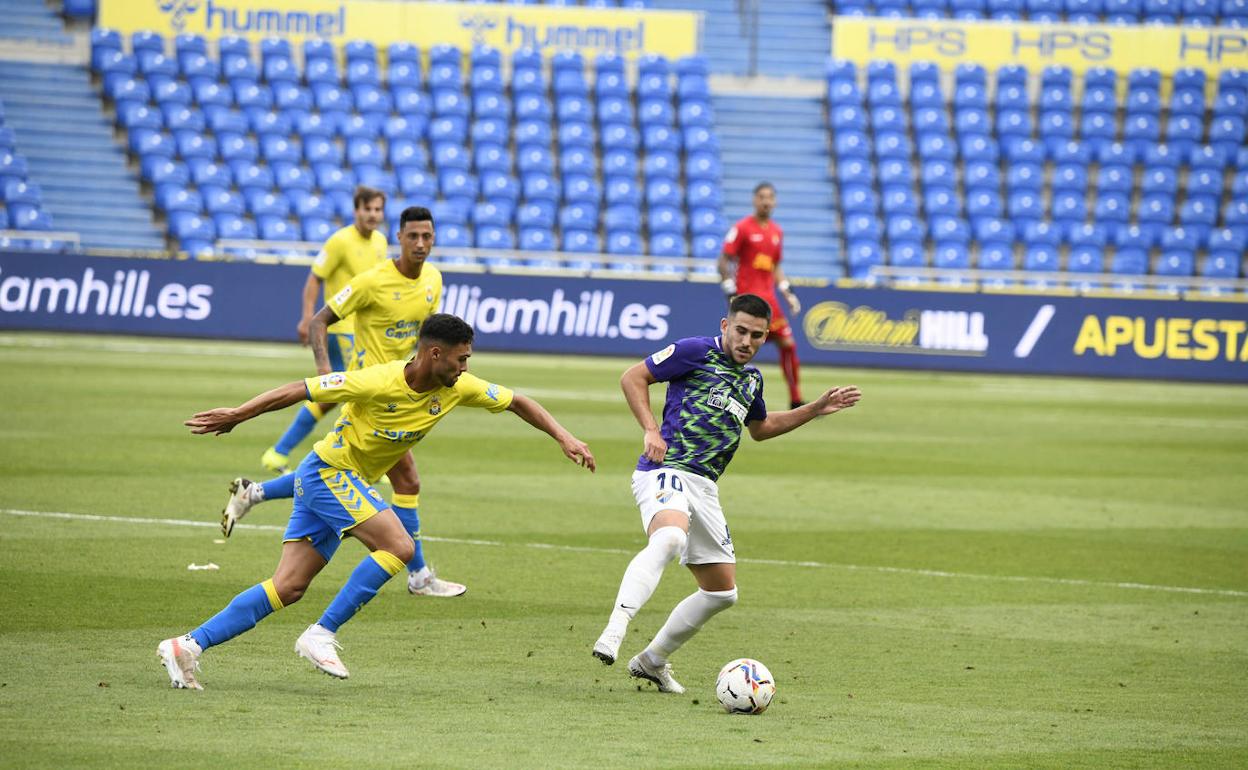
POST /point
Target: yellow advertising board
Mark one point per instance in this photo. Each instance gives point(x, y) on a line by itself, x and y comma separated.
point(949, 43)
point(507, 27)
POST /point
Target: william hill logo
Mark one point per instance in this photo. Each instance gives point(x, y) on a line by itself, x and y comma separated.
point(240, 18)
point(836, 326)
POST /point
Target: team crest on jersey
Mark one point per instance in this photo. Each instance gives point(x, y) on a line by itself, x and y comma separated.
point(435, 406)
point(341, 296)
point(429, 296)
point(663, 354)
point(331, 381)
point(775, 240)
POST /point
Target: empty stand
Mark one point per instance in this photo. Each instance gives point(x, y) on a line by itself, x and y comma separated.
point(1105, 174)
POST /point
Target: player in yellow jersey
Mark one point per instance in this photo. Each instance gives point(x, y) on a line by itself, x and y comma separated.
point(347, 253)
point(387, 303)
point(390, 408)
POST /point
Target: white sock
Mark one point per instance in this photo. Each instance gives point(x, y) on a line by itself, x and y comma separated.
point(643, 573)
point(256, 493)
point(422, 575)
point(689, 616)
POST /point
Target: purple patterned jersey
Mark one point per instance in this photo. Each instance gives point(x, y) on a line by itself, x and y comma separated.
point(710, 398)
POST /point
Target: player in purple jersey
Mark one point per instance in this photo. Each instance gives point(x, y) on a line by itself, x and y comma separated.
point(711, 395)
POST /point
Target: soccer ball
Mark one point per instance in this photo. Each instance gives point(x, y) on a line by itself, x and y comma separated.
point(745, 686)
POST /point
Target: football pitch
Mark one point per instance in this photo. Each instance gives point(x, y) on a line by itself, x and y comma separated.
point(961, 571)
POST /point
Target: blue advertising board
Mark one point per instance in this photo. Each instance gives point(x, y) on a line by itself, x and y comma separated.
point(1109, 337)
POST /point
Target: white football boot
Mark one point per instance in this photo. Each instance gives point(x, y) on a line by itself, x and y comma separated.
point(607, 648)
point(319, 645)
point(242, 498)
point(180, 656)
point(661, 675)
point(434, 586)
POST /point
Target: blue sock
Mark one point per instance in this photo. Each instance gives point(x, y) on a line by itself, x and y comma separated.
point(406, 507)
point(242, 614)
point(299, 429)
point(365, 581)
point(280, 487)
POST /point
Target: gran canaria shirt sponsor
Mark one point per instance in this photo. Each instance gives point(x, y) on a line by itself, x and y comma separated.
point(388, 309)
point(384, 417)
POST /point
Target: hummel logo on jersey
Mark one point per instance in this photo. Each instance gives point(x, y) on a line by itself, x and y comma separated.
point(398, 295)
point(390, 407)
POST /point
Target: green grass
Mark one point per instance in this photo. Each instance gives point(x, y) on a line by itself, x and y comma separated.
point(971, 540)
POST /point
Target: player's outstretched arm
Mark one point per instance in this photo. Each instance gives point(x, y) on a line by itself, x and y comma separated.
point(311, 290)
point(223, 419)
point(318, 338)
point(778, 423)
point(636, 382)
point(536, 415)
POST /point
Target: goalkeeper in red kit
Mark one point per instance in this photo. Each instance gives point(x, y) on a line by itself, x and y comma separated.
point(752, 250)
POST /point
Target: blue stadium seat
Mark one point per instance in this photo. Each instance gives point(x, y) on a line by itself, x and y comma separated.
point(537, 239)
point(532, 159)
point(983, 203)
point(490, 214)
point(579, 188)
point(453, 235)
point(539, 215)
point(667, 245)
point(624, 243)
point(235, 227)
point(863, 226)
point(580, 242)
point(539, 187)
point(1024, 205)
point(706, 246)
point(899, 200)
point(622, 190)
point(277, 229)
point(1024, 176)
point(862, 256)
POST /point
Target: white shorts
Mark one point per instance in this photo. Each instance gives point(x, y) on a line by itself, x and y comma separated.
point(669, 489)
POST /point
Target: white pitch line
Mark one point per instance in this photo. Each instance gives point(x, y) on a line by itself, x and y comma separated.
point(625, 552)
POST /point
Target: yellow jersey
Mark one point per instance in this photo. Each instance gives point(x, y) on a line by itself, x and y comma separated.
point(384, 417)
point(345, 255)
point(388, 309)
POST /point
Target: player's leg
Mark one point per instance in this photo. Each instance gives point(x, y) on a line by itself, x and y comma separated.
point(711, 558)
point(782, 334)
point(276, 458)
point(308, 548)
point(246, 494)
point(665, 516)
point(360, 511)
point(421, 578)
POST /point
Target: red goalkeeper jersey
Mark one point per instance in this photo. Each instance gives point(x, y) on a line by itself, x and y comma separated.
point(758, 249)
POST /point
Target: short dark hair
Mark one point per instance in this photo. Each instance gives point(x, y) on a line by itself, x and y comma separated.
point(365, 195)
point(764, 186)
point(415, 214)
point(750, 304)
point(445, 328)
